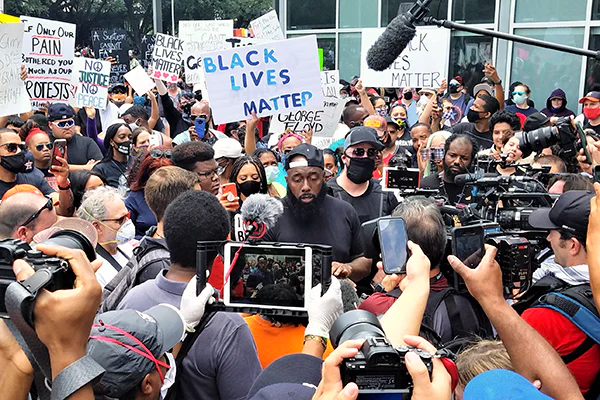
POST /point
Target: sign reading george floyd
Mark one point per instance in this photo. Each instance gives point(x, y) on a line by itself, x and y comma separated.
point(322, 121)
point(13, 96)
point(424, 62)
point(167, 57)
point(48, 51)
point(112, 43)
point(267, 79)
point(91, 79)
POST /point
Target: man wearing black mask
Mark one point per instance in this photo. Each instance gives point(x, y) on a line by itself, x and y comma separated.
point(459, 153)
point(478, 127)
point(311, 216)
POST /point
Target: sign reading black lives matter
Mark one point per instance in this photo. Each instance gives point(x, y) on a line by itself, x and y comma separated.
point(48, 51)
point(167, 57)
point(112, 43)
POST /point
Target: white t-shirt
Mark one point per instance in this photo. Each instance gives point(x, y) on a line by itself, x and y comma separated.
point(107, 272)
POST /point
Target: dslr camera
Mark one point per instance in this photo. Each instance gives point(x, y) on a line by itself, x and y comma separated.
point(378, 367)
point(562, 132)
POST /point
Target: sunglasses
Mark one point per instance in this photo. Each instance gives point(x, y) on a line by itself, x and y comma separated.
point(219, 171)
point(193, 117)
point(519, 93)
point(40, 147)
point(47, 206)
point(65, 124)
point(13, 147)
point(121, 220)
point(158, 153)
point(360, 153)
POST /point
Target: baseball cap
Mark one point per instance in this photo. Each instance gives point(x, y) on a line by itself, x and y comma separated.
point(535, 121)
point(362, 134)
point(58, 111)
point(570, 212)
point(227, 147)
point(117, 85)
point(591, 96)
point(313, 157)
point(501, 384)
point(128, 343)
point(390, 120)
point(457, 79)
point(295, 376)
point(483, 86)
point(22, 188)
point(376, 122)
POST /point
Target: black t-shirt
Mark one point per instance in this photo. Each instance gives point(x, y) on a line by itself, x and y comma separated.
point(483, 139)
point(35, 178)
point(113, 171)
point(451, 190)
point(587, 125)
point(81, 149)
point(373, 203)
point(338, 227)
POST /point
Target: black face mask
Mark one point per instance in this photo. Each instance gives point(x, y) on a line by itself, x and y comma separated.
point(473, 116)
point(453, 89)
point(14, 163)
point(123, 148)
point(249, 187)
point(407, 96)
point(360, 170)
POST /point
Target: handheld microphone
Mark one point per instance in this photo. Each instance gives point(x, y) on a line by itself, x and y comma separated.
point(259, 213)
point(398, 34)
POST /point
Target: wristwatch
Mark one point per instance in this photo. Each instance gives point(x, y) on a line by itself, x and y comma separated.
point(497, 83)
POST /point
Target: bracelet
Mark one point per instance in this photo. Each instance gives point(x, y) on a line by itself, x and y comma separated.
point(65, 187)
point(75, 376)
point(497, 83)
point(316, 338)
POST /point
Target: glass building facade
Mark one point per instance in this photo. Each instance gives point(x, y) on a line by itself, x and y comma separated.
point(338, 25)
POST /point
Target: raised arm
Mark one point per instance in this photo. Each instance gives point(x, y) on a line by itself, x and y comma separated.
point(593, 245)
point(364, 98)
point(92, 129)
point(155, 114)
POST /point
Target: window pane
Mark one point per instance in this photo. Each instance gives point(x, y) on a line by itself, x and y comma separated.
point(325, 41)
point(389, 9)
point(596, 9)
point(544, 70)
point(550, 10)
point(593, 65)
point(474, 11)
point(358, 13)
point(349, 55)
point(311, 14)
point(468, 55)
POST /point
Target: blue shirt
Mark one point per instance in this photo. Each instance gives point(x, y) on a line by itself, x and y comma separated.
point(142, 217)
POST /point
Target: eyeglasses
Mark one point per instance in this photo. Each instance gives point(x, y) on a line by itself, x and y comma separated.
point(65, 124)
point(193, 117)
point(519, 93)
point(360, 153)
point(219, 171)
point(47, 206)
point(158, 153)
point(40, 147)
point(121, 220)
point(13, 147)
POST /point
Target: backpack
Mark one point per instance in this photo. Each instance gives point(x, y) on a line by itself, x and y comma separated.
point(144, 255)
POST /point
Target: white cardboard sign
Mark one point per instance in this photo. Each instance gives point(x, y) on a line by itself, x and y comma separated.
point(267, 27)
point(139, 80)
point(13, 96)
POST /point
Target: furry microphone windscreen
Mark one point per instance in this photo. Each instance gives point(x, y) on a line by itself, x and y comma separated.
point(262, 208)
point(390, 44)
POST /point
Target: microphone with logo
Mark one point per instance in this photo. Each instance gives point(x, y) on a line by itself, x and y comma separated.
point(260, 212)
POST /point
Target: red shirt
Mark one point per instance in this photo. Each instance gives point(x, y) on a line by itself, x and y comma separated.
point(565, 337)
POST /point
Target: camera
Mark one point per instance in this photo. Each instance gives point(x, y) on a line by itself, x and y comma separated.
point(378, 367)
point(62, 275)
point(562, 132)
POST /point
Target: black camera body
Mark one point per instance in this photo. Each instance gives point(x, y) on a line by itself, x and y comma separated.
point(561, 132)
point(515, 259)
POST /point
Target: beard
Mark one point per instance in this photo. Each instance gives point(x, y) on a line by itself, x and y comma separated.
point(307, 212)
point(449, 174)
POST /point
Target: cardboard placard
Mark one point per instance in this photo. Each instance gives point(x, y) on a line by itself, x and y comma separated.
point(112, 43)
point(267, 27)
point(167, 57)
point(13, 96)
point(414, 66)
point(147, 45)
point(91, 79)
point(139, 80)
point(48, 52)
point(330, 83)
point(267, 79)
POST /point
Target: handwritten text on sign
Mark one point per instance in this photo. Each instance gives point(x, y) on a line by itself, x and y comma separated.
point(167, 57)
point(48, 51)
point(267, 79)
point(330, 83)
point(13, 96)
point(267, 27)
point(112, 43)
point(419, 65)
point(93, 78)
point(323, 121)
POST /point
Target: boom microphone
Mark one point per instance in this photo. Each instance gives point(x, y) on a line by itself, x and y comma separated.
point(260, 212)
point(398, 34)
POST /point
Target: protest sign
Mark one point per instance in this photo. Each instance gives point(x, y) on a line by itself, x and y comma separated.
point(424, 62)
point(267, 27)
point(201, 37)
point(330, 83)
point(267, 79)
point(13, 96)
point(139, 80)
point(112, 43)
point(167, 57)
point(48, 51)
point(147, 45)
point(91, 79)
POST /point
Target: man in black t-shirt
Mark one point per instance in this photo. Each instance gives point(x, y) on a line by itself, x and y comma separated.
point(311, 216)
point(478, 127)
point(459, 153)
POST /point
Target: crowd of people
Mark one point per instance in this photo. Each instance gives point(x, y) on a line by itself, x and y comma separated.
point(144, 187)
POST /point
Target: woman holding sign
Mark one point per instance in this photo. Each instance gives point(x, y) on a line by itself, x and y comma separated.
point(114, 164)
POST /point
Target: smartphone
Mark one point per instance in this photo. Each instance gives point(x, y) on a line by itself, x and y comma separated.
point(231, 189)
point(597, 173)
point(583, 139)
point(392, 240)
point(200, 127)
point(398, 179)
point(60, 150)
point(468, 244)
point(155, 139)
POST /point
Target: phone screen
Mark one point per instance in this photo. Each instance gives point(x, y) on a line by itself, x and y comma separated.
point(60, 150)
point(597, 173)
point(392, 239)
point(401, 179)
point(468, 245)
point(200, 126)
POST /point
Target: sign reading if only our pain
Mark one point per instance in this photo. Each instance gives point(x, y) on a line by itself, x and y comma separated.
point(167, 57)
point(266, 79)
point(91, 79)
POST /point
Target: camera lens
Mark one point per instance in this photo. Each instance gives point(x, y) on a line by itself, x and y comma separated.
point(73, 240)
point(355, 324)
point(538, 139)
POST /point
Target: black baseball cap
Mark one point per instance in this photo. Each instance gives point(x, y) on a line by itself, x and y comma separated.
point(58, 111)
point(535, 121)
point(119, 339)
point(118, 85)
point(313, 157)
point(569, 213)
point(392, 121)
point(362, 134)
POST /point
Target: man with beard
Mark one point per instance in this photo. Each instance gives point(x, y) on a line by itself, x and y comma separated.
point(459, 153)
point(311, 216)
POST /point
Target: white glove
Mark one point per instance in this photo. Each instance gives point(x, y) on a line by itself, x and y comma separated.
point(192, 306)
point(323, 311)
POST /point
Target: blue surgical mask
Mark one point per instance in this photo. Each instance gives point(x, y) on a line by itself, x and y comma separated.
point(520, 99)
point(271, 172)
point(139, 100)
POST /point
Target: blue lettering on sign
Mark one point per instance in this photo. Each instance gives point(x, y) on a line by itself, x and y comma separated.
point(292, 100)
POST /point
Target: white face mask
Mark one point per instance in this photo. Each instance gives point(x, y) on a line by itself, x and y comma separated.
point(271, 172)
point(169, 376)
point(125, 233)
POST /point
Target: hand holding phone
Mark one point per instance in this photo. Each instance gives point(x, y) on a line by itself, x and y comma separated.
point(200, 127)
point(231, 190)
point(393, 243)
point(59, 150)
point(468, 244)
